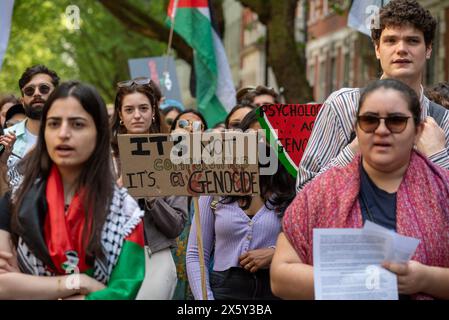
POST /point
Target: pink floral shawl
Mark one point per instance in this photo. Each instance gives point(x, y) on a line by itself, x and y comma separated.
point(331, 201)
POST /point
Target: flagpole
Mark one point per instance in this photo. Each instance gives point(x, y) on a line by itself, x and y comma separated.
point(170, 37)
point(199, 240)
point(6, 11)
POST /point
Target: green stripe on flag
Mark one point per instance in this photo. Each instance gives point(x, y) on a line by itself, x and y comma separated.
point(196, 29)
point(274, 142)
point(127, 276)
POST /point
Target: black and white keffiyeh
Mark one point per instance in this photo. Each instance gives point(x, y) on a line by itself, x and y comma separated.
point(123, 217)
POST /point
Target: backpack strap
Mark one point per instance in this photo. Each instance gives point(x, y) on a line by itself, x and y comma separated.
point(437, 112)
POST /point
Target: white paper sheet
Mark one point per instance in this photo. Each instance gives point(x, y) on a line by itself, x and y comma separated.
point(347, 262)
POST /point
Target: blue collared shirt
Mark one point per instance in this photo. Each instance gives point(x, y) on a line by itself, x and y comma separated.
point(21, 144)
point(20, 148)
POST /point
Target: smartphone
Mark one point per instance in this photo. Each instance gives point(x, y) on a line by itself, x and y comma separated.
point(2, 149)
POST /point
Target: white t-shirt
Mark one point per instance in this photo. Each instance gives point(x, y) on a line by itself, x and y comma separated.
point(31, 140)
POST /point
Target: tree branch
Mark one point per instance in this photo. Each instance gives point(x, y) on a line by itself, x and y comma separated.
point(137, 21)
point(261, 7)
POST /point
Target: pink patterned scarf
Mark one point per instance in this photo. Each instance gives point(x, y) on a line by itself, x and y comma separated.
point(331, 201)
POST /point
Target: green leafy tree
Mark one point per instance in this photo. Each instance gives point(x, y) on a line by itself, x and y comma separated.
point(284, 56)
point(96, 53)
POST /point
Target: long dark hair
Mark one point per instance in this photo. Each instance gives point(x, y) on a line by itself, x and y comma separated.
point(237, 107)
point(277, 191)
point(152, 92)
point(95, 177)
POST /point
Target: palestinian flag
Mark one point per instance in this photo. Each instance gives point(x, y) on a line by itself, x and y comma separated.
point(129, 272)
point(6, 7)
point(215, 90)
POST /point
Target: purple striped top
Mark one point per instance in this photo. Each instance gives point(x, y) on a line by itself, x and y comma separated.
point(234, 233)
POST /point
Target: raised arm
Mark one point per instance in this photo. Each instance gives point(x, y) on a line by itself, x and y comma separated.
point(329, 145)
point(434, 141)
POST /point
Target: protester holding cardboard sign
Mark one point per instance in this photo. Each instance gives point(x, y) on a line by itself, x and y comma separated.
point(390, 184)
point(183, 291)
point(136, 112)
point(241, 230)
point(75, 234)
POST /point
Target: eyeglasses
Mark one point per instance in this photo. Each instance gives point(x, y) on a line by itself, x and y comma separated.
point(141, 81)
point(43, 89)
point(183, 123)
point(369, 123)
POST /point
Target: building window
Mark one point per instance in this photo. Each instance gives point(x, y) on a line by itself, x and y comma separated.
point(347, 68)
point(311, 75)
point(432, 64)
point(322, 82)
point(333, 75)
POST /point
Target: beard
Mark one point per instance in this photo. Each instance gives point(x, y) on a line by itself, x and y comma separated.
point(33, 111)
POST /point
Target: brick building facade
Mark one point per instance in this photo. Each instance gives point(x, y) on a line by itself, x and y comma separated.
point(338, 56)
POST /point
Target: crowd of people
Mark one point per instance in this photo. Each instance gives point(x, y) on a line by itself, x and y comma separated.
point(378, 153)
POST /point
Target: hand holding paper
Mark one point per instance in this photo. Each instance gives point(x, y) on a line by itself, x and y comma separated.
point(411, 276)
point(348, 263)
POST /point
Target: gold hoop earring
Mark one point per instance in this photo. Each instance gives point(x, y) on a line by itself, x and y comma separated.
point(121, 123)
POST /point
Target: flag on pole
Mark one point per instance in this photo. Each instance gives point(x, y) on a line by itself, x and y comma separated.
point(364, 15)
point(6, 7)
point(215, 92)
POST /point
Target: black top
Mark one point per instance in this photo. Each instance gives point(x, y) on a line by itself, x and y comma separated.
point(381, 206)
point(377, 205)
point(5, 216)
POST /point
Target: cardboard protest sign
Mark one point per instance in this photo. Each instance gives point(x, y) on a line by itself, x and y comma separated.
point(189, 164)
point(288, 128)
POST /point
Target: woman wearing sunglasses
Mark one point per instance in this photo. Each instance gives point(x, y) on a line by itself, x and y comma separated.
point(241, 232)
point(136, 111)
point(75, 234)
point(189, 120)
point(390, 184)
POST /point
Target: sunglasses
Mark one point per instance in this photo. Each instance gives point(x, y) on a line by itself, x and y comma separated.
point(141, 81)
point(369, 124)
point(169, 121)
point(183, 123)
point(43, 89)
